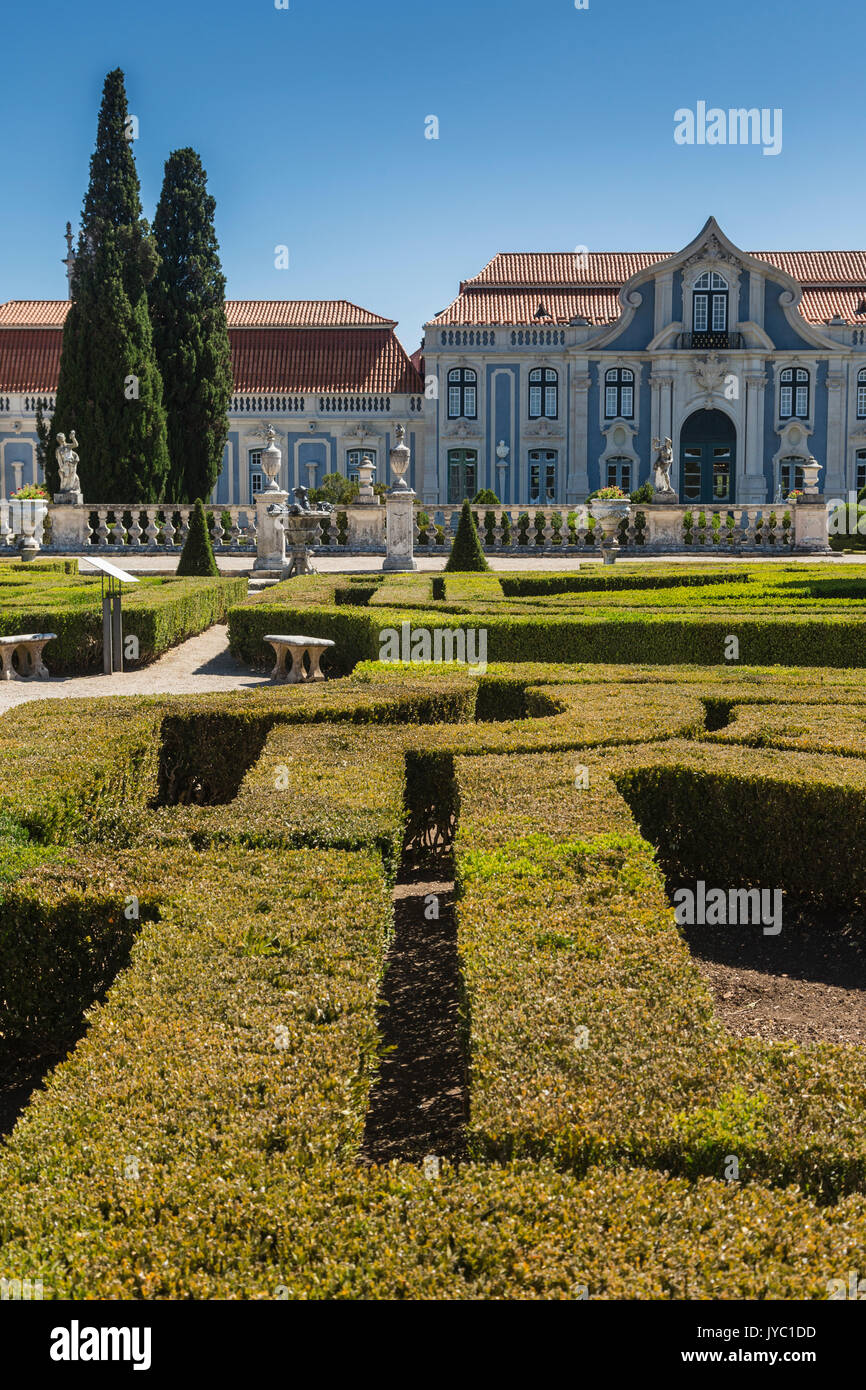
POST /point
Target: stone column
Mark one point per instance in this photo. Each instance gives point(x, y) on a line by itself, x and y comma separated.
point(577, 481)
point(270, 537)
point(400, 512)
point(834, 478)
point(752, 485)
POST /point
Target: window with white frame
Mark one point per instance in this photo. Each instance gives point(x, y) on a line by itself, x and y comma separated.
point(542, 476)
point(794, 394)
point(860, 469)
point(354, 459)
point(619, 394)
point(791, 476)
point(462, 393)
point(257, 477)
point(861, 394)
point(543, 393)
point(710, 304)
point(619, 473)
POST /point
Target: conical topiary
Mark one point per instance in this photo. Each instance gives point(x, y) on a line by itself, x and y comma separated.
point(197, 557)
point(466, 553)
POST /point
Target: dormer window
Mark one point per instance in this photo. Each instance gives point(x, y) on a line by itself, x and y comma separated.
point(794, 394)
point(619, 394)
point(710, 306)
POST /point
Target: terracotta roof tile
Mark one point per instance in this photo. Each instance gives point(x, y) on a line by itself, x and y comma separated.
point(34, 313)
point(321, 360)
point(29, 359)
point(241, 313)
point(520, 307)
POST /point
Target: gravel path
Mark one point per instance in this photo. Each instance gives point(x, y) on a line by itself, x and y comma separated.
point(198, 666)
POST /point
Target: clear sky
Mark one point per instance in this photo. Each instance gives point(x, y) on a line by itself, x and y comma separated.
point(556, 130)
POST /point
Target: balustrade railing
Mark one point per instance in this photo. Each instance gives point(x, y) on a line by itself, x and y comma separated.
point(155, 528)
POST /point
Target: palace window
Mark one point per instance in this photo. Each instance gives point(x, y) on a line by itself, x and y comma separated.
point(861, 394)
point(257, 483)
point(462, 393)
point(794, 394)
point(354, 459)
point(542, 476)
point(619, 474)
point(462, 474)
point(860, 471)
point(543, 394)
point(710, 304)
point(790, 476)
point(619, 394)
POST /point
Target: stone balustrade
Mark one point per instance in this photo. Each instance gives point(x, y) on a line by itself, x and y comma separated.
point(153, 528)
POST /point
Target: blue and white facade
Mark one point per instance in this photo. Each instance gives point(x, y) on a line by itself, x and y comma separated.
point(711, 347)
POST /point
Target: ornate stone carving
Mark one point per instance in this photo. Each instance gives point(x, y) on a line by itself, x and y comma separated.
point(662, 470)
point(710, 372)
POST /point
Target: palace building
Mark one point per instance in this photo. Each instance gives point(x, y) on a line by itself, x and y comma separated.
point(549, 376)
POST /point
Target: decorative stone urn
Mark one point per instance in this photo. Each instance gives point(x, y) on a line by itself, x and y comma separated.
point(271, 458)
point(609, 513)
point(810, 476)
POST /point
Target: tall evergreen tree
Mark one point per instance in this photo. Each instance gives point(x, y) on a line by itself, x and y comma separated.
point(190, 334)
point(110, 390)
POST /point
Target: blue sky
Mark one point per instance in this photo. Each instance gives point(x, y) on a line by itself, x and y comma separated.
point(555, 131)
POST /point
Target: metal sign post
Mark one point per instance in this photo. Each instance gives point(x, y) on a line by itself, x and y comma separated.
point(112, 618)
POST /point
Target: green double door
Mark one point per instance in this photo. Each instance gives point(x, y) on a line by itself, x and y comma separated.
point(708, 455)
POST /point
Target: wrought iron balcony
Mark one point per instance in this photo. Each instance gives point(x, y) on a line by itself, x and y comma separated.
point(704, 341)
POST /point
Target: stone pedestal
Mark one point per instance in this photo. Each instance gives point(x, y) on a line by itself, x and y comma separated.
point(399, 530)
point(811, 527)
point(68, 499)
point(664, 526)
point(270, 537)
point(69, 524)
point(366, 525)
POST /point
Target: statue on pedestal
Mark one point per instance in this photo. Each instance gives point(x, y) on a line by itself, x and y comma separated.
point(67, 463)
point(662, 471)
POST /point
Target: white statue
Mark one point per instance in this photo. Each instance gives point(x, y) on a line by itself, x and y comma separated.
point(663, 465)
point(67, 462)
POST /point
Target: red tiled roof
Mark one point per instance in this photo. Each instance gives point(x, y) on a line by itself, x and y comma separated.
point(34, 313)
point(29, 359)
point(240, 313)
point(301, 313)
point(510, 287)
point(521, 306)
point(365, 358)
point(321, 360)
point(563, 268)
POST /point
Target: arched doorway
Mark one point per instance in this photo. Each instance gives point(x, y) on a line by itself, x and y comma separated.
point(708, 455)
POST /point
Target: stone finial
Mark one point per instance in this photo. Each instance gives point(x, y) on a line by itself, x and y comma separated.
point(400, 459)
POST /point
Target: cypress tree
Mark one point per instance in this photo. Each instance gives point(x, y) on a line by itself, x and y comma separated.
point(190, 334)
point(110, 390)
point(466, 553)
point(197, 557)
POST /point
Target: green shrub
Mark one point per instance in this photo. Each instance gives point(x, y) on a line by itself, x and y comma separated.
point(466, 552)
point(197, 557)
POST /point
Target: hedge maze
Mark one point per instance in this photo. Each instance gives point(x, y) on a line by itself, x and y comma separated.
point(198, 906)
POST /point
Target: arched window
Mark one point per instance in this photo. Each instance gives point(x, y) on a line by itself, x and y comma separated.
point(619, 394)
point(462, 393)
point(710, 304)
point(861, 394)
point(543, 394)
point(794, 394)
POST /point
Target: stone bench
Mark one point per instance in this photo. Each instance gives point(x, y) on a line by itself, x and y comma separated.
point(297, 648)
point(29, 646)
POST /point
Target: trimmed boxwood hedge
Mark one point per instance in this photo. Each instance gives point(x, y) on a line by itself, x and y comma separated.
point(181, 1151)
point(159, 612)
